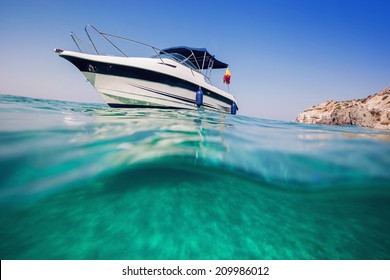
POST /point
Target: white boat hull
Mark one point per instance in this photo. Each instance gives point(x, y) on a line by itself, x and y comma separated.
point(138, 93)
point(148, 82)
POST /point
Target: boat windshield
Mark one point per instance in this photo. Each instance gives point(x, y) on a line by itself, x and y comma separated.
point(179, 58)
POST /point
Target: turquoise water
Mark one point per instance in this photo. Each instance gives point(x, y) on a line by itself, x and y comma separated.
point(84, 181)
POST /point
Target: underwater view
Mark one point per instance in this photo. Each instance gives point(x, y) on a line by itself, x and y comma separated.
point(86, 181)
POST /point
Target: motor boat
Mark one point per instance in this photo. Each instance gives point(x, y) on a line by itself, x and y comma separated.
point(172, 78)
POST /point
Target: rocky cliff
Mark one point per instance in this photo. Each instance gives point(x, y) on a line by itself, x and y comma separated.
point(373, 111)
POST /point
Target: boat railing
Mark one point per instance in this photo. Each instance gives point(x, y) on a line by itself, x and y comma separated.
point(157, 51)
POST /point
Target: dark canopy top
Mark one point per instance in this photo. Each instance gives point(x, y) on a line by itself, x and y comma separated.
point(199, 54)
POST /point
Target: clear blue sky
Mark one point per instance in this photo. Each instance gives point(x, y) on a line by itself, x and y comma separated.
point(284, 56)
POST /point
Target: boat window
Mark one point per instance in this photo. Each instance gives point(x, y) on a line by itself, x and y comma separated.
point(179, 58)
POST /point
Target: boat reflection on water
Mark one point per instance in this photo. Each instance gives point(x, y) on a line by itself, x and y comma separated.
point(164, 133)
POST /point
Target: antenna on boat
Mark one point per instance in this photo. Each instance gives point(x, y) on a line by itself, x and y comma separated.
point(89, 37)
point(74, 40)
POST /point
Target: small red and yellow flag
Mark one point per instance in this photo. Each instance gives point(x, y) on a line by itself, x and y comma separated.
point(226, 77)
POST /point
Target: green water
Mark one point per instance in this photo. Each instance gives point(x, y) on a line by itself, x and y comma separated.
point(83, 181)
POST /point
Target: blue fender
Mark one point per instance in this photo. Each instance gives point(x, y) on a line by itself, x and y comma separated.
point(199, 97)
point(233, 108)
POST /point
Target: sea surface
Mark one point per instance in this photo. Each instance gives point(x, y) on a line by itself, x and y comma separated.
point(85, 181)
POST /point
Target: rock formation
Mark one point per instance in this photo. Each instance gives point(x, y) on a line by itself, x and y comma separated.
point(373, 111)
